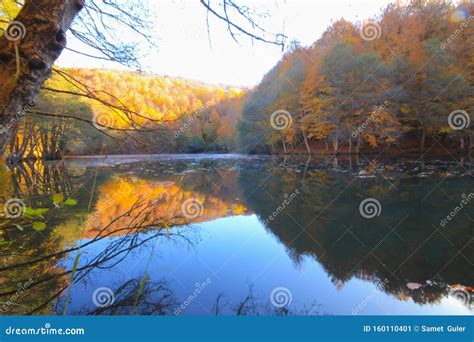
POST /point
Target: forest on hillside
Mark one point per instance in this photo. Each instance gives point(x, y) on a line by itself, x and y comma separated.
point(400, 82)
point(120, 112)
point(391, 81)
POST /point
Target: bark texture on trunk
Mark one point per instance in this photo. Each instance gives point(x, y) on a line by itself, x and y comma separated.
point(28, 49)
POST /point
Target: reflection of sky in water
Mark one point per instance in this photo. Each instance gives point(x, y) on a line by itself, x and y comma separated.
point(333, 267)
point(235, 252)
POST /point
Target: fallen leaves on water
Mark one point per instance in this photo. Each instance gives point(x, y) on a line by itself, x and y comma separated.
point(39, 226)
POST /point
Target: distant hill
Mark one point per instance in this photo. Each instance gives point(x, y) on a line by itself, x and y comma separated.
point(132, 112)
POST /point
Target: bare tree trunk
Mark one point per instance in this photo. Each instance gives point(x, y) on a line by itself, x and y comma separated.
point(284, 146)
point(38, 41)
point(423, 140)
point(306, 140)
point(462, 146)
point(358, 145)
point(273, 147)
point(306, 166)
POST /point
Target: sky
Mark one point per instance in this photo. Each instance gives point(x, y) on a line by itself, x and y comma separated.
point(183, 48)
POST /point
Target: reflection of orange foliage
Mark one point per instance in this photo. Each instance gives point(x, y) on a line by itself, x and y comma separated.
point(162, 202)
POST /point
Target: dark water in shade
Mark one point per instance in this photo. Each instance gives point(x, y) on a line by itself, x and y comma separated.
point(226, 234)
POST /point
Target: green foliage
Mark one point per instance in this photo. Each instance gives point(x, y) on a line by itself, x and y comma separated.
point(70, 202)
point(71, 282)
point(39, 226)
point(58, 199)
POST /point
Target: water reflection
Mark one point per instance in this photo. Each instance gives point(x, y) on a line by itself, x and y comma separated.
point(128, 212)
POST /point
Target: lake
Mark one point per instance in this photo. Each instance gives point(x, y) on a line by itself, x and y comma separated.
point(238, 235)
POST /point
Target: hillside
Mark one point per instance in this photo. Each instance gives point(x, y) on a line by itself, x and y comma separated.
point(128, 112)
point(403, 80)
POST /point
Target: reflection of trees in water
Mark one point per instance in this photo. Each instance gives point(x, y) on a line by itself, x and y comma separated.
point(50, 282)
point(392, 246)
point(36, 255)
point(345, 244)
point(133, 298)
point(33, 178)
point(215, 191)
point(253, 304)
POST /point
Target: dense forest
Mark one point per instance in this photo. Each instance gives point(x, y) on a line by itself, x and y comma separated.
point(391, 81)
point(139, 114)
point(401, 82)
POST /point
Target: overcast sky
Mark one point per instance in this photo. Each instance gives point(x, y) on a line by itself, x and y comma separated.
point(183, 47)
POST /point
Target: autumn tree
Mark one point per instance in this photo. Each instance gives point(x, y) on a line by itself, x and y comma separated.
point(35, 35)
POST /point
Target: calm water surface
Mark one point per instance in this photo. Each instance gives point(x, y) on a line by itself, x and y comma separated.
point(228, 234)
